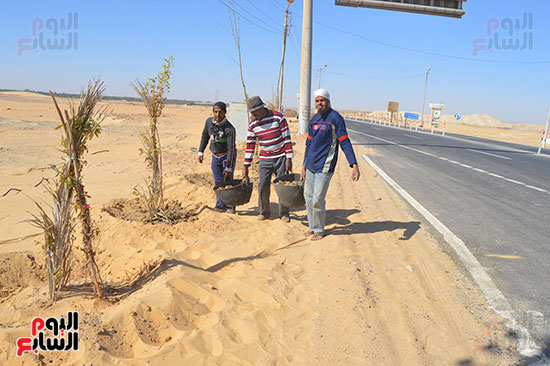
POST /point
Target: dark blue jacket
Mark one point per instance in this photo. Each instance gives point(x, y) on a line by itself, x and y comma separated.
point(326, 132)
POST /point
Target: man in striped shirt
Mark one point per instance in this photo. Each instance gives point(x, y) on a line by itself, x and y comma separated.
point(271, 131)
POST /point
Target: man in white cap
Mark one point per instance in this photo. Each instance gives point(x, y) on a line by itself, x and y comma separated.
point(327, 131)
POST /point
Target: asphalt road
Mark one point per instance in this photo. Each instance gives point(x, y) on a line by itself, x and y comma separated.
point(495, 196)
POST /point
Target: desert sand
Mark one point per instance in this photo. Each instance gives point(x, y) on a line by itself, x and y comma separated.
point(223, 289)
point(479, 125)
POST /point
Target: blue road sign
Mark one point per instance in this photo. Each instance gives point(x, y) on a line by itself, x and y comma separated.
point(411, 115)
point(458, 116)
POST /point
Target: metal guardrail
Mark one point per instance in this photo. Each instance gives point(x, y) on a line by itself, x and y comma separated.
point(409, 126)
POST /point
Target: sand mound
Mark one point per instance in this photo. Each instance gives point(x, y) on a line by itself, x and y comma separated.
point(18, 271)
point(200, 179)
point(481, 120)
point(135, 210)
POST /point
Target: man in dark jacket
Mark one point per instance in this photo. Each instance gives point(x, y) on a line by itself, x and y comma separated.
point(327, 132)
point(222, 145)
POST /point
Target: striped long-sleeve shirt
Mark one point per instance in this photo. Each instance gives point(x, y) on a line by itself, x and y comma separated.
point(273, 136)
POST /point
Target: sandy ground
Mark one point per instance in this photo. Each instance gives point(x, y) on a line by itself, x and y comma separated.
point(479, 125)
point(529, 135)
point(222, 289)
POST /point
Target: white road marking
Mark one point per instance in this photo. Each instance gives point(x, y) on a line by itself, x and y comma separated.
point(486, 153)
point(526, 346)
point(538, 189)
point(464, 138)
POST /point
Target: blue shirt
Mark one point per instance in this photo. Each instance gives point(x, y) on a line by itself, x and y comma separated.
point(326, 132)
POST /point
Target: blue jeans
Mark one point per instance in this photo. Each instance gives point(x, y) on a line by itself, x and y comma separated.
point(315, 191)
point(218, 166)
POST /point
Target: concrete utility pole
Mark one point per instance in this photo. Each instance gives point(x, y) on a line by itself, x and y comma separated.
point(545, 136)
point(305, 73)
point(319, 76)
point(281, 72)
point(424, 99)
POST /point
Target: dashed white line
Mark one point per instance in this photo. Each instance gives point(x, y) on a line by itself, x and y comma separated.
point(464, 138)
point(526, 346)
point(486, 153)
point(410, 148)
point(497, 176)
point(538, 189)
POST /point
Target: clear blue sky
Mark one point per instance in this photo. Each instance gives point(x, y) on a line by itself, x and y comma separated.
point(364, 48)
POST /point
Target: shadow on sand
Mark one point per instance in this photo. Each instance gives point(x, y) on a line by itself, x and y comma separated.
point(344, 226)
point(147, 274)
point(150, 271)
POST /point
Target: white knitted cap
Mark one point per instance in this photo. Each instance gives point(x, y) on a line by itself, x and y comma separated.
point(321, 93)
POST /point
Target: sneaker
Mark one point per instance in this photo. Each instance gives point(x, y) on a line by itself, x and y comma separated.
point(262, 217)
point(285, 218)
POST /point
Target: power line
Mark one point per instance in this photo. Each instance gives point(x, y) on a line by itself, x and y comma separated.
point(248, 20)
point(277, 5)
point(472, 59)
point(255, 7)
point(410, 76)
point(294, 46)
point(254, 16)
point(429, 53)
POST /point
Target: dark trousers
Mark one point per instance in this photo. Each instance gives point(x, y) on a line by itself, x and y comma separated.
point(267, 168)
point(218, 166)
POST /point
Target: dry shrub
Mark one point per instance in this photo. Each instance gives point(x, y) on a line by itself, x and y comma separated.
point(58, 236)
point(79, 126)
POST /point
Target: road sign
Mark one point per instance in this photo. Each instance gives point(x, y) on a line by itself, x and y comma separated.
point(458, 116)
point(411, 115)
point(436, 113)
point(393, 107)
point(444, 8)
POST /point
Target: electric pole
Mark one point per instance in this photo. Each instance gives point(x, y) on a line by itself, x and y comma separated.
point(305, 71)
point(545, 136)
point(285, 33)
point(319, 76)
point(424, 99)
